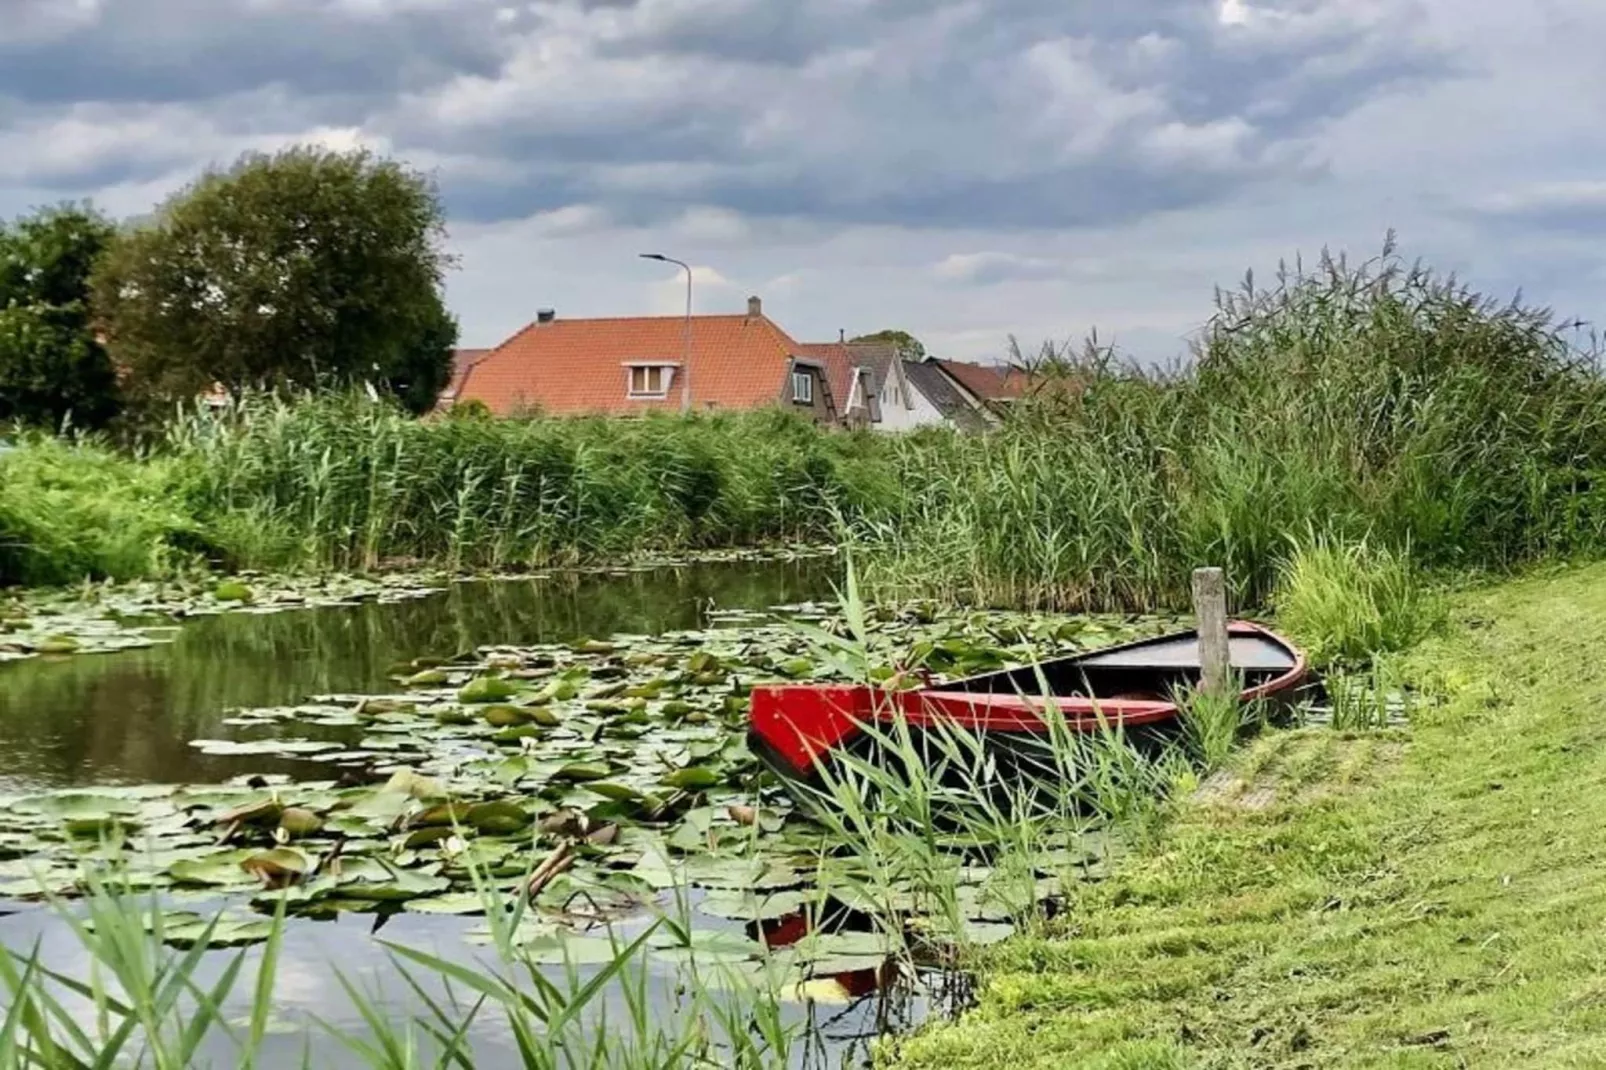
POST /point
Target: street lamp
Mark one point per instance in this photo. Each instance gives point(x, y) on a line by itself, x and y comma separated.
point(685, 364)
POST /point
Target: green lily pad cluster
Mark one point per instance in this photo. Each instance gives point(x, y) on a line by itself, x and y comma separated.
point(598, 776)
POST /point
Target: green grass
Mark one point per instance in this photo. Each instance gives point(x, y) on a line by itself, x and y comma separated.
point(1426, 900)
point(1347, 602)
point(68, 512)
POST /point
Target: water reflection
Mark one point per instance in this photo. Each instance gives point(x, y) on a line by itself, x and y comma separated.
point(128, 717)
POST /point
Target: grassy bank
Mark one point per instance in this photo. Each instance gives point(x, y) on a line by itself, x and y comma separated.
point(1355, 900)
point(345, 483)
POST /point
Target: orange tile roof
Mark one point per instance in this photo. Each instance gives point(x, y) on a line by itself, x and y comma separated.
point(989, 382)
point(462, 361)
point(572, 367)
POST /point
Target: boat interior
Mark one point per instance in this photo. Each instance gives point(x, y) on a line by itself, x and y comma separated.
point(1151, 670)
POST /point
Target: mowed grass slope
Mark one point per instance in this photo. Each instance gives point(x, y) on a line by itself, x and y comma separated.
point(1436, 899)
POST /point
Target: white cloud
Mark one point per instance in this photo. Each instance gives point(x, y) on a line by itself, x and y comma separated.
point(960, 169)
point(993, 267)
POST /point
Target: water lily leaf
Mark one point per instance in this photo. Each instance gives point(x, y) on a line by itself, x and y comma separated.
point(182, 929)
point(706, 947)
point(487, 689)
point(747, 906)
point(559, 948)
point(504, 716)
point(424, 837)
point(498, 818)
point(616, 792)
point(824, 954)
point(449, 813)
point(694, 778)
point(408, 782)
point(277, 866)
point(453, 903)
point(216, 870)
point(298, 822)
point(581, 772)
point(232, 591)
point(427, 678)
point(371, 879)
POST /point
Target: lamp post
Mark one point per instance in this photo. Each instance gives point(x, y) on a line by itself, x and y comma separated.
point(685, 363)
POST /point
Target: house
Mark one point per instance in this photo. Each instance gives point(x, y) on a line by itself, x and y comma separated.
point(867, 380)
point(936, 398)
point(635, 365)
point(991, 386)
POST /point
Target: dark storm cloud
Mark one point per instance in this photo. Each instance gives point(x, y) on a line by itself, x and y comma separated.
point(947, 113)
point(192, 50)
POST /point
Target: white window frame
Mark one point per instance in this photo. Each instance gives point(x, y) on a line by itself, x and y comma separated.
point(802, 378)
point(667, 370)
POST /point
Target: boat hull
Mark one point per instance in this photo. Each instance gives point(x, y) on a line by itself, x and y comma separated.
point(1008, 732)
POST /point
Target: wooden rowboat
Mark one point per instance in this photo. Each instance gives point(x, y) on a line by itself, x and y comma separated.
point(794, 729)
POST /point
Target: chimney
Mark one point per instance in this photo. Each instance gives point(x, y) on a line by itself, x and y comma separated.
point(546, 315)
point(755, 308)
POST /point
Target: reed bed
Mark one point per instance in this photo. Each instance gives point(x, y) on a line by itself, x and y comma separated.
point(1371, 403)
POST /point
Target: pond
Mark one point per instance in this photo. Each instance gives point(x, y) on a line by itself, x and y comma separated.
point(127, 717)
point(598, 712)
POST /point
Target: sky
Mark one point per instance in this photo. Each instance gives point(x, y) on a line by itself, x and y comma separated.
point(969, 171)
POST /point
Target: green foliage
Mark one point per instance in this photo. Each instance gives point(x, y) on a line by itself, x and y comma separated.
point(1373, 401)
point(344, 482)
point(909, 347)
point(70, 512)
point(1347, 602)
point(52, 368)
point(303, 269)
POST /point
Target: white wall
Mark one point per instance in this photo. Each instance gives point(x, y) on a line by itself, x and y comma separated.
point(895, 416)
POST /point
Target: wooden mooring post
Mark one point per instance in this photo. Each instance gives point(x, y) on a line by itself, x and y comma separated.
point(1210, 613)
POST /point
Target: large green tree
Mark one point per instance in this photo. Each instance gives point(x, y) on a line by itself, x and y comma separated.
point(305, 269)
point(909, 347)
point(53, 370)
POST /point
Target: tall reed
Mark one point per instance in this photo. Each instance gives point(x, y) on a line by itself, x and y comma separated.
point(1372, 401)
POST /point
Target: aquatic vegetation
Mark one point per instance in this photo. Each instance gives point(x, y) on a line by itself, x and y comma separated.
point(616, 762)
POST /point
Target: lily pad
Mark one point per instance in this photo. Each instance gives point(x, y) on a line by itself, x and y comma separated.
point(487, 689)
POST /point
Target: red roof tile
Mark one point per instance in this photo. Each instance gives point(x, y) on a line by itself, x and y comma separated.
point(989, 382)
point(571, 367)
point(462, 361)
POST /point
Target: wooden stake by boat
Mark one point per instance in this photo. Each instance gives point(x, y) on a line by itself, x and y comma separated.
point(1210, 611)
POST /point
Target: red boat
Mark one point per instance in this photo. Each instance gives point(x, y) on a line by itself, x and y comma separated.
point(1133, 687)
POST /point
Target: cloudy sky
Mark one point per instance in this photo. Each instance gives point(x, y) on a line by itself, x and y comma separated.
point(965, 169)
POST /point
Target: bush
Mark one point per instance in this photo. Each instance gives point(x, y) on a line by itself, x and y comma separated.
point(1346, 603)
point(70, 512)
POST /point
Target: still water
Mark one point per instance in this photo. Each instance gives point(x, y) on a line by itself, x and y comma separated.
point(128, 717)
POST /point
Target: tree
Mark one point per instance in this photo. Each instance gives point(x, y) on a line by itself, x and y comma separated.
point(305, 269)
point(909, 347)
point(52, 367)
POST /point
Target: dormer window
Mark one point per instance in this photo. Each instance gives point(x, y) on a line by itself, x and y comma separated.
point(648, 380)
point(802, 388)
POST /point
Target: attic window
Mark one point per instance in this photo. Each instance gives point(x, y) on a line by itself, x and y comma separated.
point(648, 380)
point(802, 388)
